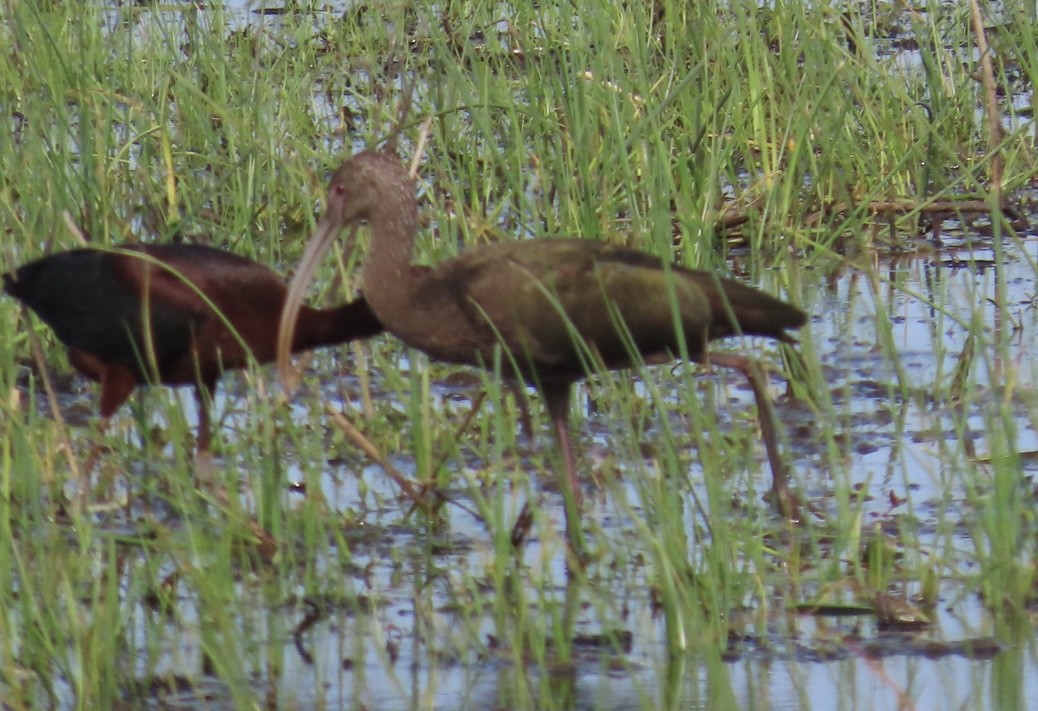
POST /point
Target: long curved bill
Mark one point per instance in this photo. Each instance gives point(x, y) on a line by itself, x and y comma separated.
point(316, 249)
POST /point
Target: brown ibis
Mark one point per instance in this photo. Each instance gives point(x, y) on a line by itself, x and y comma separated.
point(559, 308)
point(175, 314)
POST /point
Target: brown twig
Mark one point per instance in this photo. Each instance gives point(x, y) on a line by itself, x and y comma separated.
point(733, 218)
point(358, 438)
point(895, 207)
point(423, 136)
point(407, 95)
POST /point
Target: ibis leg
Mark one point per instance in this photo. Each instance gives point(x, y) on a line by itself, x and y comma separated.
point(781, 495)
point(557, 398)
point(205, 469)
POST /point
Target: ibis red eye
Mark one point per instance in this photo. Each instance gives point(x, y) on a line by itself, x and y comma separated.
point(338, 189)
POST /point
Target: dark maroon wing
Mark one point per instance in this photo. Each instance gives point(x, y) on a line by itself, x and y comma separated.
point(85, 296)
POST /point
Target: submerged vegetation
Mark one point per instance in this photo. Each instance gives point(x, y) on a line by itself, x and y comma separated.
point(839, 156)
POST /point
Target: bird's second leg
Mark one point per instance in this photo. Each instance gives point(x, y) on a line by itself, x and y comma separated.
point(557, 397)
point(93, 455)
point(205, 471)
point(117, 383)
point(557, 400)
point(781, 495)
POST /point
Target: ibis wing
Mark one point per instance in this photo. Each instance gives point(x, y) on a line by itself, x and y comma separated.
point(560, 303)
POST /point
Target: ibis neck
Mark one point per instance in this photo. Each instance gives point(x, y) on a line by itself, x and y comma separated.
point(330, 327)
point(386, 281)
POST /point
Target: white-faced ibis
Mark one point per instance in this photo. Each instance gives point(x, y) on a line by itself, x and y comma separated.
point(560, 308)
point(175, 314)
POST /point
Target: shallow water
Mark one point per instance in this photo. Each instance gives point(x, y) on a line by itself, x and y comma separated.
point(394, 641)
point(892, 445)
point(406, 647)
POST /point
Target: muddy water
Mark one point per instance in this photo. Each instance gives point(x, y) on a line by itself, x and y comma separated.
point(899, 438)
point(899, 441)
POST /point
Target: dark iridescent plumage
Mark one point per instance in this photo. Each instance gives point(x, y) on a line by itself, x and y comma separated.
point(176, 314)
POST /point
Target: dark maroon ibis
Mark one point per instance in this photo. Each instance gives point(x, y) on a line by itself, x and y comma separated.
point(175, 314)
point(560, 308)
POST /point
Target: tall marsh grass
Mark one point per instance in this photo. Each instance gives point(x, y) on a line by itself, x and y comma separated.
point(789, 144)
